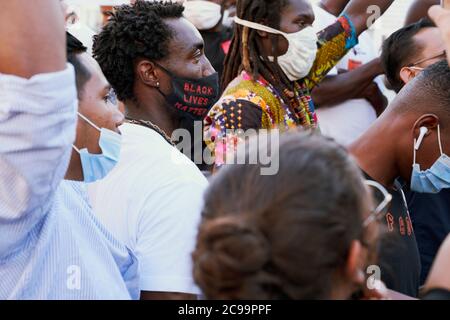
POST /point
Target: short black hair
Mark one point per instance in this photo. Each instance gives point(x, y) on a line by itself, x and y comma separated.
point(399, 51)
point(74, 47)
point(429, 91)
point(133, 31)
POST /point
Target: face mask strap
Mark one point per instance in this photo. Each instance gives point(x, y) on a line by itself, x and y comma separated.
point(89, 121)
point(414, 151)
point(439, 139)
point(164, 69)
point(257, 26)
point(76, 149)
point(171, 75)
point(416, 147)
point(417, 68)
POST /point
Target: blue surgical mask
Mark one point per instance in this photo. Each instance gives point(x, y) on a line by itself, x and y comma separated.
point(97, 166)
point(434, 179)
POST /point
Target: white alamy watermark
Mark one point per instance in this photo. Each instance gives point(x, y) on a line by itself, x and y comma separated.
point(73, 277)
point(373, 281)
point(375, 14)
point(254, 147)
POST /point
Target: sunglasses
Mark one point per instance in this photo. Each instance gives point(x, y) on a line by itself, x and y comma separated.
point(380, 211)
point(442, 55)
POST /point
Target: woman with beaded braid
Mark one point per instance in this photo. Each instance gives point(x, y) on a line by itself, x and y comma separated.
point(275, 60)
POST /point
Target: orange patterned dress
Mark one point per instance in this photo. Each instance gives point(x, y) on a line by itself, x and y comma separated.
point(256, 104)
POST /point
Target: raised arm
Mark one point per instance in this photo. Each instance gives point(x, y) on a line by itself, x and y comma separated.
point(441, 17)
point(335, 7)
point(364, 12)
point(32, 37)
point(418, 10)
point(337, 39)
point(349, 85)
point(37, 114)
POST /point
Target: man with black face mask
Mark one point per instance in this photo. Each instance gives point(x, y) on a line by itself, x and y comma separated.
point(154, 59)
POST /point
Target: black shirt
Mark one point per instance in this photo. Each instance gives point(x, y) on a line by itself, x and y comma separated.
point(430, 215)
point(399, 259)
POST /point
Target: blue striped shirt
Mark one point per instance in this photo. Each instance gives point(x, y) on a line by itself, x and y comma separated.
point(51, 246)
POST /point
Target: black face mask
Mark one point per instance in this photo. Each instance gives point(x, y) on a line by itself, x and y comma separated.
point(192, 98)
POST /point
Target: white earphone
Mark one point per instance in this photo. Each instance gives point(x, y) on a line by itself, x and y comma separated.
point(423, 132)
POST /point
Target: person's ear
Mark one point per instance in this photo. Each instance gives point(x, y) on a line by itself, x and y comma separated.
point(428, 121)
point(407, 74)
point(147, 73)
point(354, 265)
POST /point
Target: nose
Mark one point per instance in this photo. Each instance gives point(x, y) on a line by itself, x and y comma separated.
point(208, 69)
point(121, 107)
point(119, 119)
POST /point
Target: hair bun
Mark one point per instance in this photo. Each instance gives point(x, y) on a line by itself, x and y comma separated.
point(227, 251)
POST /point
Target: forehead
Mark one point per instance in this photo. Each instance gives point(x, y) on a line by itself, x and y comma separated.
point(430, 40)
point(298, 8)
point(185, 34)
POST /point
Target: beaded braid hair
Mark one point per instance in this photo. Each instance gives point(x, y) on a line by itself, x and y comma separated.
point(246, 52)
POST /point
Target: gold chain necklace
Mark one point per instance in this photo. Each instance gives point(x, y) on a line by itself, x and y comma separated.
point(152, 126)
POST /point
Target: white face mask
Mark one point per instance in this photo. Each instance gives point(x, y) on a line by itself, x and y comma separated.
point(228, 17)
point(301, 54)
point(204, 15)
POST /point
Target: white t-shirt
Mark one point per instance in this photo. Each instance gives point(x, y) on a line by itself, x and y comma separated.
point(152, 201)
point(347, 121)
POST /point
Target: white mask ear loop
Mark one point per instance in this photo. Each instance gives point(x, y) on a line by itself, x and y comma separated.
point(417, 145)
point(414, 151)
point(89, 121)
point(258, 26)
point(439, 140)
point(76, 149)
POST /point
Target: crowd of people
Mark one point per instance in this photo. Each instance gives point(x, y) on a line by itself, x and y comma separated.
point(120, 156)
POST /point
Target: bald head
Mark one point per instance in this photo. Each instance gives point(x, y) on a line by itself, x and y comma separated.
point(385, 151)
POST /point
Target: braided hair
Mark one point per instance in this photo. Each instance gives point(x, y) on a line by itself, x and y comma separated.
point(246, 52)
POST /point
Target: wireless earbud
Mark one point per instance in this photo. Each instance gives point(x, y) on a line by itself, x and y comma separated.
point(423, 132)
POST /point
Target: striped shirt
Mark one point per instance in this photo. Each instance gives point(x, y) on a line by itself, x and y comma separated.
point(51, 246)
